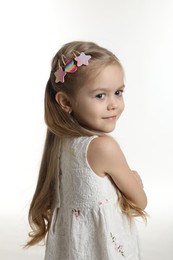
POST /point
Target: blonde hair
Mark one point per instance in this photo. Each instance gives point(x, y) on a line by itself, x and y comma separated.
point(60, 123)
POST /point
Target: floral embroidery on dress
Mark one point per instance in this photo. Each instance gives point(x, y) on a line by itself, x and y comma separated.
point(76, 212)
point(103, 202)
point(117, 245)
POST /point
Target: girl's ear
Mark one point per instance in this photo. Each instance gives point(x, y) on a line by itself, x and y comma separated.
point(63, 100)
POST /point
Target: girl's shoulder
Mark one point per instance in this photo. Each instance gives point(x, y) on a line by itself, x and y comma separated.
point(103, 145)
point(100, 152)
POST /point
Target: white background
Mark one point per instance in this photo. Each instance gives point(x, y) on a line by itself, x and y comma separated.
point(140, 33)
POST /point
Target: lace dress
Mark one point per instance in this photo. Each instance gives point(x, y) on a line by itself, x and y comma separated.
point(88, 224)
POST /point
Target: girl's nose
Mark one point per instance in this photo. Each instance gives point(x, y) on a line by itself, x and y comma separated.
point(112, 105)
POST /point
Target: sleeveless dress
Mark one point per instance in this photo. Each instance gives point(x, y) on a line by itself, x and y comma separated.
point(88, 224)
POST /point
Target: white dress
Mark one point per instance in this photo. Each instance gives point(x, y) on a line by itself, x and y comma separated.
point(89, 224)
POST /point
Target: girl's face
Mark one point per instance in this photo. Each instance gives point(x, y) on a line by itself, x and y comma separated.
point(98, 105)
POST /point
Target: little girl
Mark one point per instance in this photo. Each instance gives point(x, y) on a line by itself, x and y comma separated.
point(86, 196)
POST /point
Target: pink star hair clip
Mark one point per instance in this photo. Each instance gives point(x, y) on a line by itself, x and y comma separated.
point(71, 65)
point(59, 75)
point(82, 59)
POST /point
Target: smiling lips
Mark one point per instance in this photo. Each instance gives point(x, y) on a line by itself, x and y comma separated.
point(110, 117)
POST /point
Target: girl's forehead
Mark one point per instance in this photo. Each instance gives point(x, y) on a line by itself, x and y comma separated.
point(111, 75)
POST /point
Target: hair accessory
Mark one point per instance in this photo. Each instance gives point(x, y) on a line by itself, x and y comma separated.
point(70, 65)
point(59, 74)
point(82, 59)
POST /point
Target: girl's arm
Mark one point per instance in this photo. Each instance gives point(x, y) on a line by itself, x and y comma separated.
point(105, 157)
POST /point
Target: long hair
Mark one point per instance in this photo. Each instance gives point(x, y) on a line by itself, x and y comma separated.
point(59, 123)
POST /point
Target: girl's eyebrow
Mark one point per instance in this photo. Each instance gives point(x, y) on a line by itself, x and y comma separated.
point(105, 89)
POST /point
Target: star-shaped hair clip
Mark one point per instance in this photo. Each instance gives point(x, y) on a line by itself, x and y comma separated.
point(82, 59)
point(59, 74)
point(70, 65)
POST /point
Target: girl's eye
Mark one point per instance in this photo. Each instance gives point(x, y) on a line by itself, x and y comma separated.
point(100, 96)
point(119, 93)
